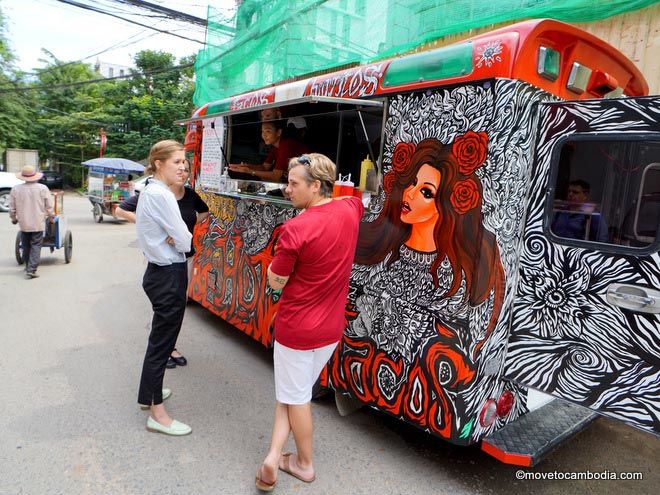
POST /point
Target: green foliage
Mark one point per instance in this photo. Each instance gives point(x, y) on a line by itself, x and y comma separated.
point(68, 118)
point(15, 109)
point(63, 119)
point(148, 105)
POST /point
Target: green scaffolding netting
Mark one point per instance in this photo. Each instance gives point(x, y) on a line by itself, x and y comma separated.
point(265, 41)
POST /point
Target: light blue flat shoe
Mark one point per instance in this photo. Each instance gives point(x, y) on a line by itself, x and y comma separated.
point(166, 395)
point(176, 429)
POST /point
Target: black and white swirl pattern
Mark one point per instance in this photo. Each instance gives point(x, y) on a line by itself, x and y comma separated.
point(566, 338)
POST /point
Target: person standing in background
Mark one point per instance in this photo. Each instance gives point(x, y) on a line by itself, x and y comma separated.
point(30, 204)
point(164, 238)
point(579, 218)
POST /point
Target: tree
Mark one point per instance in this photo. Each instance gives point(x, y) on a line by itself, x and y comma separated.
point(15, 107)
point(63, 120)
point(69, 117)
point(148, 104)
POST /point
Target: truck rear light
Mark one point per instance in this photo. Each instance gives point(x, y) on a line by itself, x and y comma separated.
point(505, 403)
point(488, 413)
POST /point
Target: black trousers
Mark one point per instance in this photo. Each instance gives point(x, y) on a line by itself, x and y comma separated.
point(166, 287)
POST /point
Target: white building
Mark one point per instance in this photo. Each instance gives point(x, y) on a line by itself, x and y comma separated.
point(111, 70)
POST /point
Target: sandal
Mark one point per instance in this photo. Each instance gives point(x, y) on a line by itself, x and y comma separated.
point(284, 466)
point(261, 484)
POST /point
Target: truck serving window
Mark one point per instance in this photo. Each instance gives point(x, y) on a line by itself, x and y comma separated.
point(347, 134)
point(606, 192)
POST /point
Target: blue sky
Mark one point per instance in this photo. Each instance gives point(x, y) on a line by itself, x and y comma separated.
point(72, 33)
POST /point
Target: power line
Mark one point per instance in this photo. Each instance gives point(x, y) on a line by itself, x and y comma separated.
point(121, 44)
point(172, 14)
point(94, 81)
point(101, 11)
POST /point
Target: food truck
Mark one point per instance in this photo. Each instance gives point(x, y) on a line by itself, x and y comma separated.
point(538, 306)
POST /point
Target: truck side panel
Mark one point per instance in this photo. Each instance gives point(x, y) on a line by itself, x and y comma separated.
point(575, 334)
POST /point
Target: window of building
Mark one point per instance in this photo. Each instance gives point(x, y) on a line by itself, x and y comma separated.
point(606, 191)
point(111, 72)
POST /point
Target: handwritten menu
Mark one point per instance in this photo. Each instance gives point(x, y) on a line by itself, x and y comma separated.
point(212, 159)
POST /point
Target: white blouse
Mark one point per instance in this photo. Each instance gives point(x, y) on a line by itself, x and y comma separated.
point(157, 217)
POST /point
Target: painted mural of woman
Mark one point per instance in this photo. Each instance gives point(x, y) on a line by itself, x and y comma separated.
point(430, 260)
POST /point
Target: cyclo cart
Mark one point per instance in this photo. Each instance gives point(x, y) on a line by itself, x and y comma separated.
point(109, 183)
point(56, 234)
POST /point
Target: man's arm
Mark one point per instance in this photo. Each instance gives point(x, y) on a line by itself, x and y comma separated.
point(272, 176)
point(276, 282)
point(126, 215)
point(50, 205)
point(12, 207)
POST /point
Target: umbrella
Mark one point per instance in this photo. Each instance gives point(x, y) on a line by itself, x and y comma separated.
point(118, 164)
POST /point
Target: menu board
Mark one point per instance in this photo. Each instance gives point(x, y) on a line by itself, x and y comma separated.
point(212, 155)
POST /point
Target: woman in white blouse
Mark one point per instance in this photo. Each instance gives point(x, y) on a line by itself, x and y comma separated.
point(164, 239)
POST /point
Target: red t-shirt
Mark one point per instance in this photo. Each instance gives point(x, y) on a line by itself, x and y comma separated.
point(287, 149)
point(315, 250)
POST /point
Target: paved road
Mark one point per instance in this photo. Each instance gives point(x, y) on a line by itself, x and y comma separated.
point(73, 342)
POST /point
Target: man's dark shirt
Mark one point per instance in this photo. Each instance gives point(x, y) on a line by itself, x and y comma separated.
point(574, 226)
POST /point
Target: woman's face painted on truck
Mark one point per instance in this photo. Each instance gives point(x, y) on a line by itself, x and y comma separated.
point(418, 200)
point(270, 134)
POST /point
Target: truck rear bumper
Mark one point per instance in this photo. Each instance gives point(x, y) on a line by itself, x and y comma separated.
point(526, 441)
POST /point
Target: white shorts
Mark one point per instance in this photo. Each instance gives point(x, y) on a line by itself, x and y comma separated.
point(296, 372)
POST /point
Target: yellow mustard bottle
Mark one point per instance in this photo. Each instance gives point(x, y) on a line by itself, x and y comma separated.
point(364, 167)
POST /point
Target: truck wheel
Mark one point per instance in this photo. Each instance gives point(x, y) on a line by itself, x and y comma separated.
point(4, 200)
point(97, 211)
point(68, 247)
point(20, 259)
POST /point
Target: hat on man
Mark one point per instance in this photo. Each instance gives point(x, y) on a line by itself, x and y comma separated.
point(29, 174)
point(297, 122)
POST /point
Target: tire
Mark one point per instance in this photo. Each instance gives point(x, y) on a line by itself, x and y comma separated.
point(4, 200)
point(20, 259)
point(68, 247)
point(97, 212)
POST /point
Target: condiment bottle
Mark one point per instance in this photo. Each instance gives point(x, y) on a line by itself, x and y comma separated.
point(366, 165)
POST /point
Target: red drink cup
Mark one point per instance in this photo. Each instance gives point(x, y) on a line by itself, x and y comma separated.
point(347, 189)
point(336, 189)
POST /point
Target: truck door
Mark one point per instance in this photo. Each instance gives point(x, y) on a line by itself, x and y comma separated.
point(586, 318)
